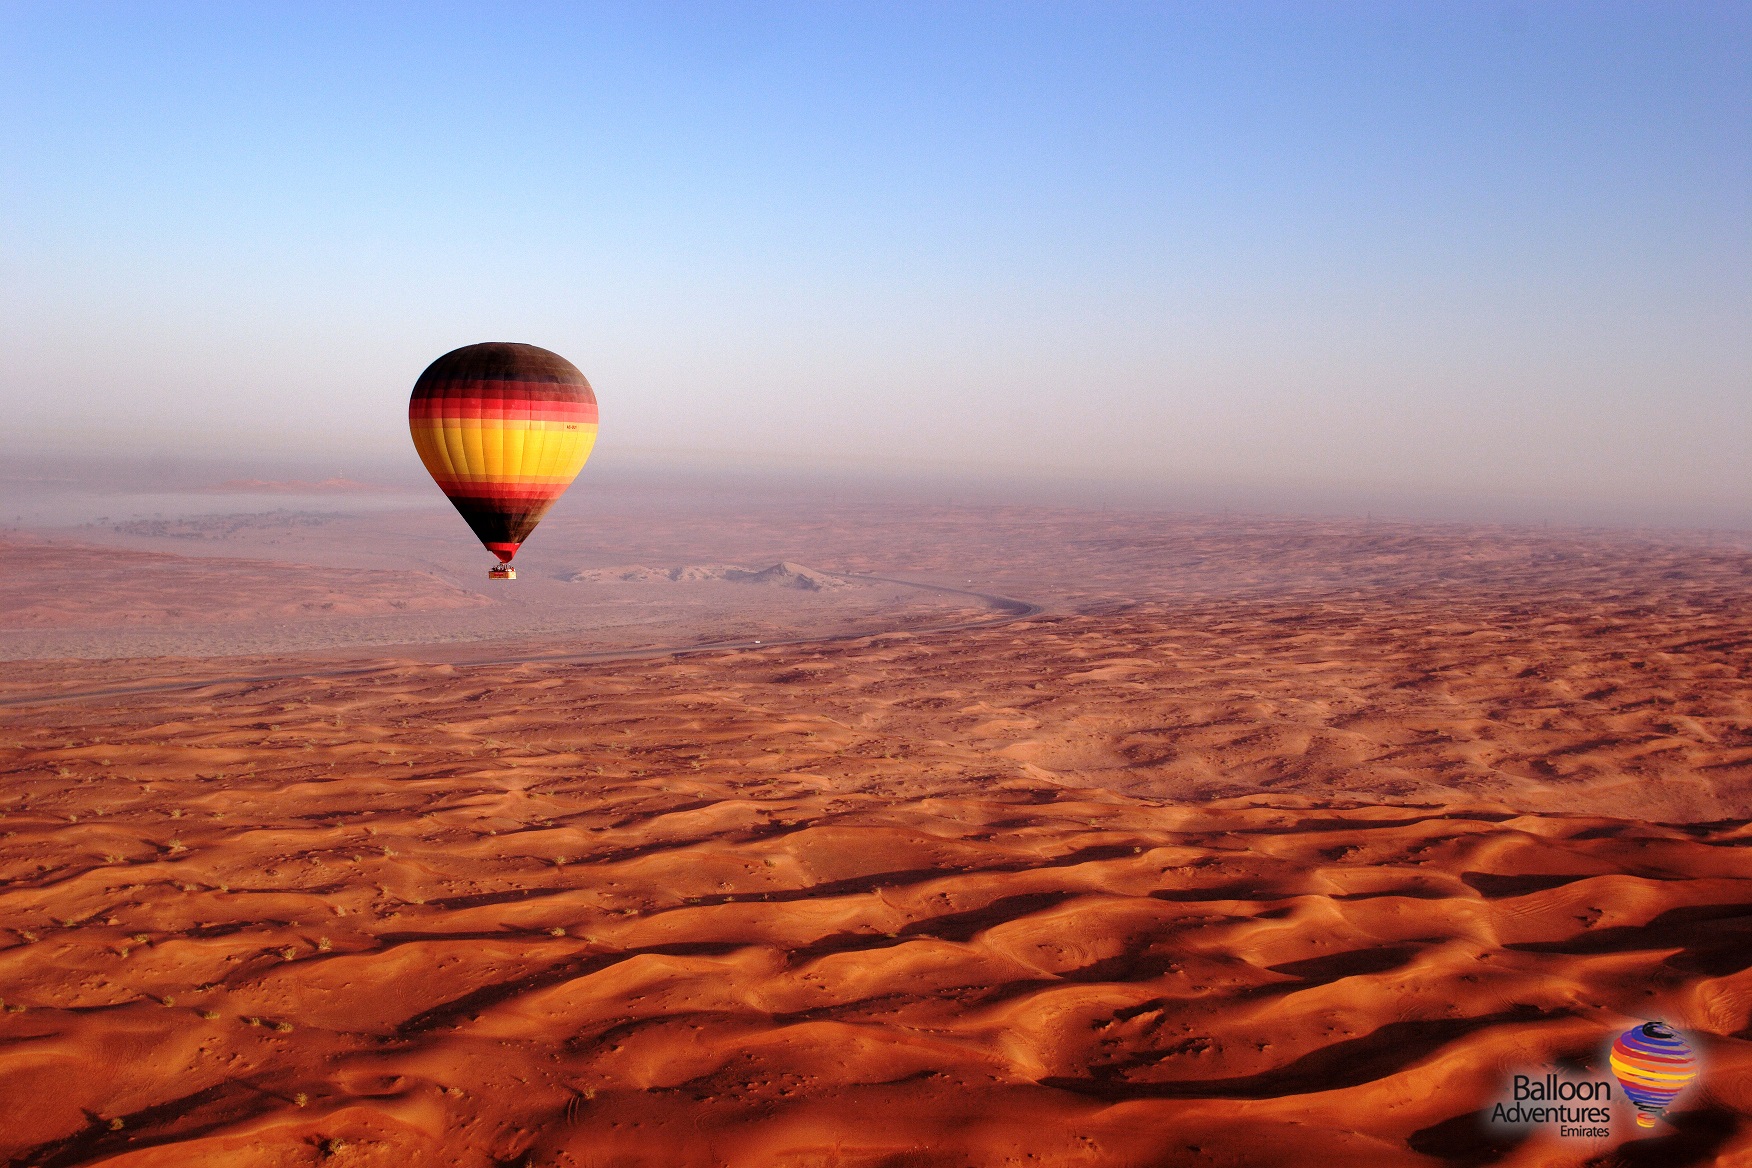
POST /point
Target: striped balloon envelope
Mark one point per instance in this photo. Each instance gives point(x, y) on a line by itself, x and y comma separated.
point(1652, 1064)
point(503, 429)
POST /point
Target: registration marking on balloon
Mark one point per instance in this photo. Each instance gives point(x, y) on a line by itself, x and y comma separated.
point(503, 429)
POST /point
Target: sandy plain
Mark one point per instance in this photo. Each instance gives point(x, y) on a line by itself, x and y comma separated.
point(1234, 840)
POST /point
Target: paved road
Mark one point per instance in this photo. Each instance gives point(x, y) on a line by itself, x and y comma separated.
point(1008, 609)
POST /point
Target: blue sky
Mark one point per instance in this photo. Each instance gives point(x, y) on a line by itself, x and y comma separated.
point(1481, 249)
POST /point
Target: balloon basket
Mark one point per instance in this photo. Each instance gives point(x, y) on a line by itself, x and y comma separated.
point(502, 572)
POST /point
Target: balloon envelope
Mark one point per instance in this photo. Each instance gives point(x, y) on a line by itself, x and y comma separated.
point(503, 429)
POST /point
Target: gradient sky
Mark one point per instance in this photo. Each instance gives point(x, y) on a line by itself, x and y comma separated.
point(1496, 248)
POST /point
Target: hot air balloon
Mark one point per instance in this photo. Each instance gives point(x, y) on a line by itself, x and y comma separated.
point(503, 429)
point(1652, 1064)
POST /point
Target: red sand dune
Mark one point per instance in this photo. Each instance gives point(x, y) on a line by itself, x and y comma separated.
point(1248, 876)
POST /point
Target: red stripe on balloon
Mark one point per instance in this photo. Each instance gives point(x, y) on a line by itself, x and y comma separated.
point(440, 409)
point(506, 390)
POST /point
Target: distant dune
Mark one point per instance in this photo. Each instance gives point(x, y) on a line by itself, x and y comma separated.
point(296, 486)
point(781, 575)
point(60, 599)
point(78, 586)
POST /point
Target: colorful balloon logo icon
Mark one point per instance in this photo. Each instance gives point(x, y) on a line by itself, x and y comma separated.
point(1653, 1064)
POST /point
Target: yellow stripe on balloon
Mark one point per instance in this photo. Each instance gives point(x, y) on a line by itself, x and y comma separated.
point(486, 456)
point(517, 451)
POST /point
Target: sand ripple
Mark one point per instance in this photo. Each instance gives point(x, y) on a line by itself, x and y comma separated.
point(916, 912)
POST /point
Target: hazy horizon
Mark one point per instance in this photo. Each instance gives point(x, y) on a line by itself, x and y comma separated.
point(1461, 260)
point(44, 493)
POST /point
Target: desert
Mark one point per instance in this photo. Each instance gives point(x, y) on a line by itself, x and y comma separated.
point(1150, 829)
point(870, 585)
